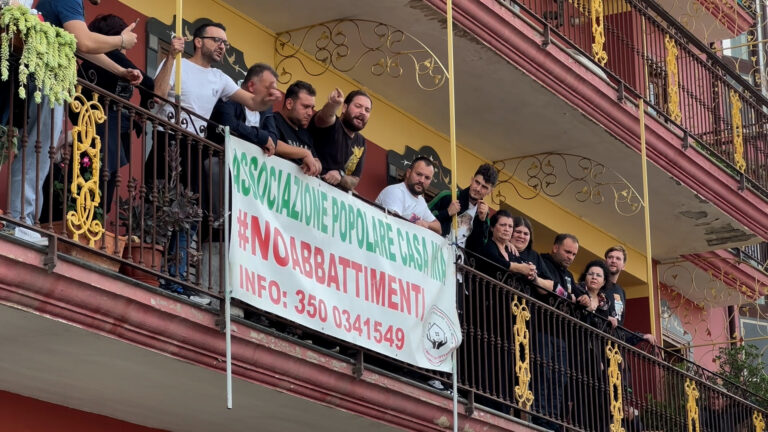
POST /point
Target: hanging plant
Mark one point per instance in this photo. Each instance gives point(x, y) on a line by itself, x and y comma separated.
point(48, 54)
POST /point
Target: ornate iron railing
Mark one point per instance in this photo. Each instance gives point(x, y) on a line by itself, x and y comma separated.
point(650, 55)
point(154, 216)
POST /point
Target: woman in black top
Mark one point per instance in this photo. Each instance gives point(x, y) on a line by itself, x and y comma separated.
point(592, 409)
point(514, 256)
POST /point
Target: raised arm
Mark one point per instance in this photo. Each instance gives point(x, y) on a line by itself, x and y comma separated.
point(327, 115)
point(163, 78)
point(95, 43)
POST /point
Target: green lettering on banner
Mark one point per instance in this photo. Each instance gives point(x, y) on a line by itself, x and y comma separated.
point(400, 242)
point(360, 221)
point(390, 244)
point(236, 170)
point(322, 210)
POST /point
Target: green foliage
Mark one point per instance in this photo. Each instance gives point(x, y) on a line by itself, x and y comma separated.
point(8, 143)
point(744, 366)
point(172, 208)
point(48, 55)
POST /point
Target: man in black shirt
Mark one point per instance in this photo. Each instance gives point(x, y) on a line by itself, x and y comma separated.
point(563, 253)
point(338, 142)
point(616, 259)
point(292, 121)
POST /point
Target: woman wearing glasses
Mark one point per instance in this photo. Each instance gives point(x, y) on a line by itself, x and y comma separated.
point(592, 411)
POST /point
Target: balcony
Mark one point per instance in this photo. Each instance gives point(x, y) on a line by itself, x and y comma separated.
point(132, 351)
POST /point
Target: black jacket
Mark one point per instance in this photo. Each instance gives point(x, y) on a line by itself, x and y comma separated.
point(439, 207)
point(232, 114)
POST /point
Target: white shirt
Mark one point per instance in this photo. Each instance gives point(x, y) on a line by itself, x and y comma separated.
point(397, 198)
point(465, 224)
point(252, 118)
point(201, 88)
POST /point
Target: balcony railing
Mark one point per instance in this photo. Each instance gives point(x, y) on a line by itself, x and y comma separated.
point(648, 54)
point(154, 223)
point(542, 363)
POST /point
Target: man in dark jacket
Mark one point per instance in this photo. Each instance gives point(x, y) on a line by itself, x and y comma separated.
point(471, 211)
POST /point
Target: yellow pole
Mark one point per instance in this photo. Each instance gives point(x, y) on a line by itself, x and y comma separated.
point(452, 135)
point(452, 108)
point(647, 212)
point(179, 33)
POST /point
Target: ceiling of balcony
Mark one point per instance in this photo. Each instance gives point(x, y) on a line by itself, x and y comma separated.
point(56, 362)
point(503, 113)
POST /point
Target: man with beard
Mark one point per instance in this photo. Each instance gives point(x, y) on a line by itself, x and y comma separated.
point(616, 259)
point(69, 15)
point(469, 207)
point(407, 197)
point(338, 142)
point(292, 122)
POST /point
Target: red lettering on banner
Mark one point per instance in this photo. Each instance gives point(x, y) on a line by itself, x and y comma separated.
point(345, 263)
point(333, 275)
point(358, 269)
point(295, 262)
point(405, 296)
point(306, 259)
point(247, 280)
point(319, 266)
point(377, 288)
point(392, 292)
point(260, 237)
point(280, 259)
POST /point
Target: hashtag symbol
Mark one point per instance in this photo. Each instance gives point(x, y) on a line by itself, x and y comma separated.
point(242, 229)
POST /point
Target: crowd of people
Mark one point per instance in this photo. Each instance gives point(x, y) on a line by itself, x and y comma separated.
point(325, 143)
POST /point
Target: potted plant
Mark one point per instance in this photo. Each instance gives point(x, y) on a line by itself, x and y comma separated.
point(47, 54)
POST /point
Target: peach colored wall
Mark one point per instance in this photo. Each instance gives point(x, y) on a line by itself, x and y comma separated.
point(707, 327)
point(23, 414)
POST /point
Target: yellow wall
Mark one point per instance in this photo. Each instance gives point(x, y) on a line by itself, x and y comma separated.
point(257, 43)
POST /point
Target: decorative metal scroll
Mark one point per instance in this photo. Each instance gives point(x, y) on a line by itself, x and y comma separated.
point(345, 44)
point(523, 394)
point(615, 387)
point(738, 132)
point(758, 421)
point(86, 147)
point(554, 174)
point(598, 31)
point(673, 95)
point(692, 408)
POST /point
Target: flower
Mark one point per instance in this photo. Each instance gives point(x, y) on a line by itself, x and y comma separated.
point(86, 162)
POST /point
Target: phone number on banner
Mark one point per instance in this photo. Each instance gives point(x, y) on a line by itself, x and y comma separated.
point(313, 307)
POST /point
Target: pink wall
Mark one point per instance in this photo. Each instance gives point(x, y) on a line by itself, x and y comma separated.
point(706, 327)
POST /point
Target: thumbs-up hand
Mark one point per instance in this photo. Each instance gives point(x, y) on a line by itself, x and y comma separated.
point(129, 38)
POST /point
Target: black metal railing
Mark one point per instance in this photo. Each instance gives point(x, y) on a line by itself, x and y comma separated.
point(161, 212)
point(636, 38)
point(569, 368)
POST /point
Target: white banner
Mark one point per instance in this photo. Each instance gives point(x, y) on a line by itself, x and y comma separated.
point(311, 253)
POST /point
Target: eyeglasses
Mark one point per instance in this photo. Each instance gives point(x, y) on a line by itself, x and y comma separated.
point(595, 275)
point(217, 40)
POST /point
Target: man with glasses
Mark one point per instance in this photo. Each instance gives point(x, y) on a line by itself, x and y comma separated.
point(202, 86)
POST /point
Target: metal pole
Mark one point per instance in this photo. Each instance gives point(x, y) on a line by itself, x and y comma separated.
point(452, 135)
point(179, 33)
point(647, 214)
point(225, 251)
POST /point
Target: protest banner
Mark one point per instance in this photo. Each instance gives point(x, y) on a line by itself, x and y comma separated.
point(311, 253)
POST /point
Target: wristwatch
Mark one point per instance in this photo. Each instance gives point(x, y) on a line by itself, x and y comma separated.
point(342, 173)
